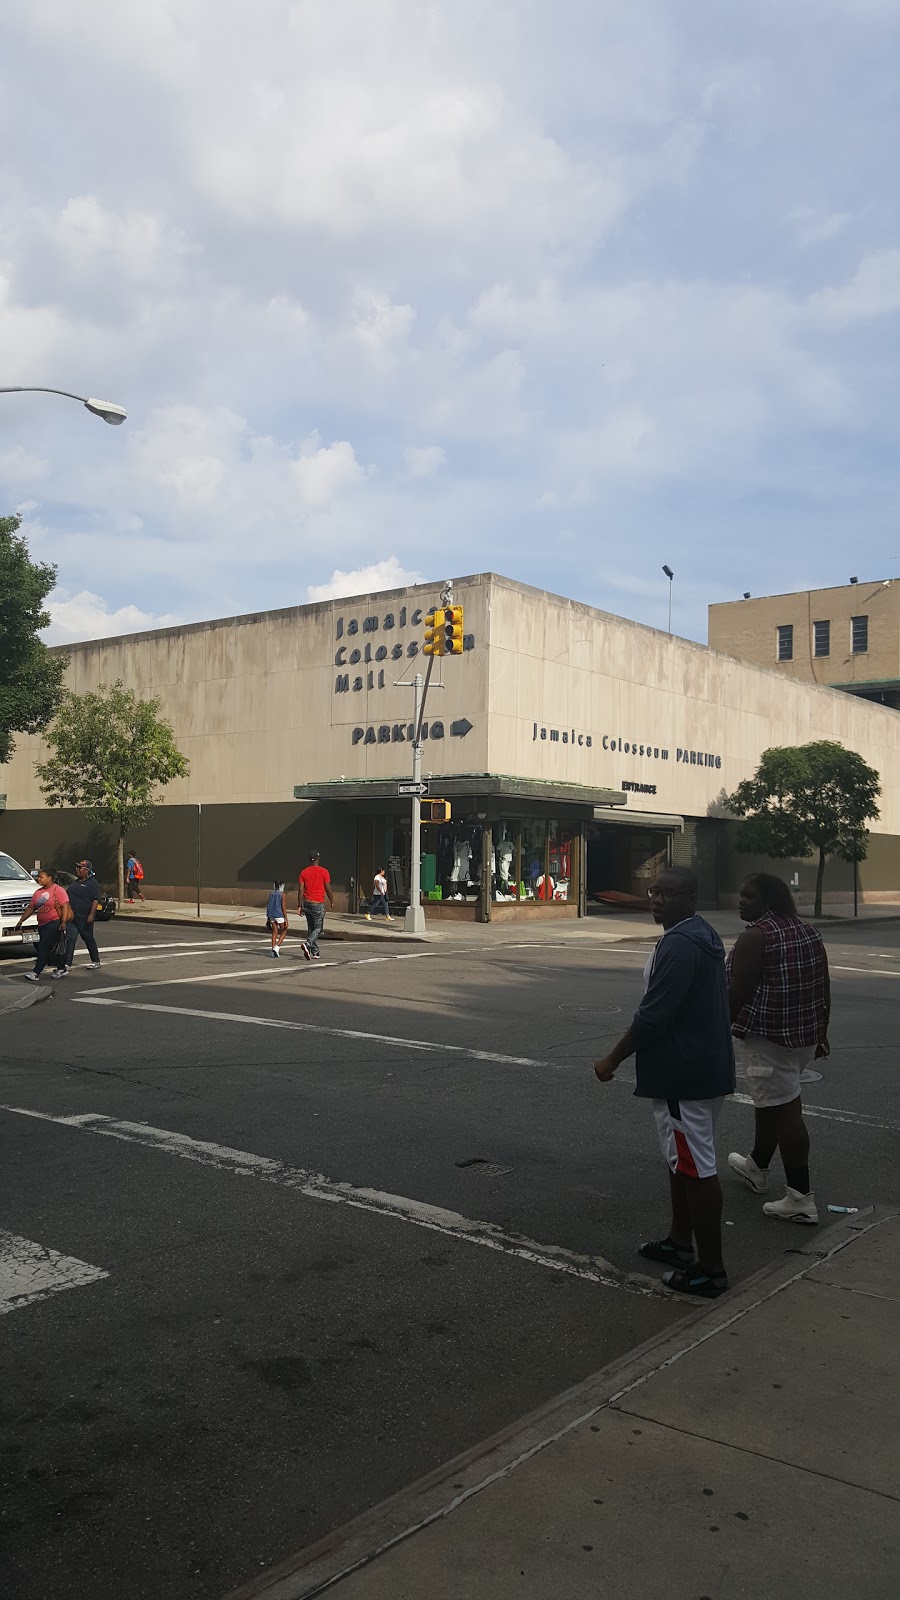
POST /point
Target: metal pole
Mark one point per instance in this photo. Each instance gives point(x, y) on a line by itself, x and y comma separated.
point(199, 810)
point(670, 605)
point(414, 921)
point(855, 888)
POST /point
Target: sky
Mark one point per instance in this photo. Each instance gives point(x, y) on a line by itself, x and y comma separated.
point(401, 289)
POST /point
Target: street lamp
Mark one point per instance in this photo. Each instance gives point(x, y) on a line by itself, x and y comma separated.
point(670, 575)
point(107, 409)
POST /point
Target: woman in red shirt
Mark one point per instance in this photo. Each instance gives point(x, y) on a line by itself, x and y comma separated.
point(50, 904)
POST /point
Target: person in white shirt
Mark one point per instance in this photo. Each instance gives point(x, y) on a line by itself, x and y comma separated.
point(378, 905)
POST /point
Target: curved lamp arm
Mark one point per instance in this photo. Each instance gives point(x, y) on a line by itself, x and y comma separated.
point(107, 409)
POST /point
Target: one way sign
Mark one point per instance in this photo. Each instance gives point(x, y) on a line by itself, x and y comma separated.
point(458, 730)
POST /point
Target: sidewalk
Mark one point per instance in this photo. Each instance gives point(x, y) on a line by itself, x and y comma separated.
point(751, 1451)
point(605, 927)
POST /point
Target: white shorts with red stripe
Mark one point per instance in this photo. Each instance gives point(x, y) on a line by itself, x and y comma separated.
point(687, 1134)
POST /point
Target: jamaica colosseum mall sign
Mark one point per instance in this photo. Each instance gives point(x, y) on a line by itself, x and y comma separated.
point(628, 747)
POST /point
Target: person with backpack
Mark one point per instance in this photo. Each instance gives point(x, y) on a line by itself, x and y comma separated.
point(134, 873)
point(276, 917)
point(50, 904)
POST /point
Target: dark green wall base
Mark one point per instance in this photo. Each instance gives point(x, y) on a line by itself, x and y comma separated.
point(244, 847)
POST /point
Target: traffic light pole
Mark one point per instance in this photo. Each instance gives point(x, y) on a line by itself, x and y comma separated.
point(415, 916)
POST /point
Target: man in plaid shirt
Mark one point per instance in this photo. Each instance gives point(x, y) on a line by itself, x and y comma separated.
point(780, 1001)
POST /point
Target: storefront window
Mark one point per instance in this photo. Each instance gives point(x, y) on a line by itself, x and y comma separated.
point(451, 861)
point(506, 856)
point(533, 861)
point(562, 862)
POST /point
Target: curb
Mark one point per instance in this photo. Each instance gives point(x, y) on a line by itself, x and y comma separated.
point(40, 992)
point(317, 1568)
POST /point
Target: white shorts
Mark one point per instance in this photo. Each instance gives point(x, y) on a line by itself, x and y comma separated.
point(687, 1134)
point(772, 1070)
point(278, 921)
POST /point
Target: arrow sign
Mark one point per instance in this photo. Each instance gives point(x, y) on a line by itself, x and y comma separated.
point(412, 788)
point(458, 730)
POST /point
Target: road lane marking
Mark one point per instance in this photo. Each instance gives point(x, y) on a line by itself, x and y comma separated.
point(30, 1272)
point(312, 1027)
point(878, 972)
point(298, 965)
point(173, 955)
point(827, 1113)
point(315, 1186)
point(860, 1119)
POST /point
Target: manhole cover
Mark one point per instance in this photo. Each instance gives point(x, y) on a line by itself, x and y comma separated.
point(594, 1008)
point(487, 1169)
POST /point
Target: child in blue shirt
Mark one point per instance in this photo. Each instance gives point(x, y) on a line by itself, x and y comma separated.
point(276, 917)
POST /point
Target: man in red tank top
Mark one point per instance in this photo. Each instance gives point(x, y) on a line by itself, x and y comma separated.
point(780, 1001)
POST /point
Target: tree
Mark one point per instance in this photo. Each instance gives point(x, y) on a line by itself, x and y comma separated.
point(111, 752)
point(808, 798)
point(30, 675)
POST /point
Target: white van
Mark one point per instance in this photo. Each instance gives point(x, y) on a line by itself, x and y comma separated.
point(16, 888)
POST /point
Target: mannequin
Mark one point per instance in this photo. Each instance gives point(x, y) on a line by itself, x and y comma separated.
point(504, 857)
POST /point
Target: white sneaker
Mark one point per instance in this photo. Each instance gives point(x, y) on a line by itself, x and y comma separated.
point(61, 972)
point(93, 966)
point(747, 1169)
point(795, 1207)
point(31, 977)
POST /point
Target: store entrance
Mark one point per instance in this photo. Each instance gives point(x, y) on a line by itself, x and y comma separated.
point(623, 861)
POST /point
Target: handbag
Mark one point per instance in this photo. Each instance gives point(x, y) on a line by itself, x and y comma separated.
point(59, 951)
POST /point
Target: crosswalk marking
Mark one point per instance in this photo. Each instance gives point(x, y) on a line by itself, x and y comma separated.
point(30, 1272)
point(315, 1186)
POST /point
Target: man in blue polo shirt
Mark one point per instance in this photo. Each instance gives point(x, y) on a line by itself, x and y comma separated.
point(85, 895)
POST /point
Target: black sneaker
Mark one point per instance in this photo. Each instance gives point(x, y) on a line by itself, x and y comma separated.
point(668, 1252)
point(697, 1281)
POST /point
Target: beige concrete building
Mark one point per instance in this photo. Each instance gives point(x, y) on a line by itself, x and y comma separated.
point(847, 636)
point(578, 751)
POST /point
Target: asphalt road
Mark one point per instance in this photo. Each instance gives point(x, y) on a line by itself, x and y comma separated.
point(317, 1228)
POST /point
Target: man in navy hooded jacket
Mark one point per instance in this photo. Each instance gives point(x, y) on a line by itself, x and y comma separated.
point(684, 1061)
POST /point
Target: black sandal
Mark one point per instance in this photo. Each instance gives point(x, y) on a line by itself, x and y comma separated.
point(668, 1252)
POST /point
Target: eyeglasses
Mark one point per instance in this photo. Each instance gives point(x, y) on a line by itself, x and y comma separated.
point(664, 894)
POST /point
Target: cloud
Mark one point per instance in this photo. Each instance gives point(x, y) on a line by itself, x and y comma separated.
point(20, 466)
point(87, 616)
point(322, 471)
point(387, 574)
point(873, 291)
point(549, 292)
point(424, 461)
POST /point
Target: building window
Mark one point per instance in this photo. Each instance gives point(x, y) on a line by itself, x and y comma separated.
point(822, 638)
point(786, 642)
point(859, 635)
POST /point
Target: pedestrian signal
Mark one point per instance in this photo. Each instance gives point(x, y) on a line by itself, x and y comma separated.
point(435, 811)
point(434, 634)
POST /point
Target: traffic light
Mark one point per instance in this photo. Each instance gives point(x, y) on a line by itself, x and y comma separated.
point(435, 811)
point(444, 632)
point(453, 631)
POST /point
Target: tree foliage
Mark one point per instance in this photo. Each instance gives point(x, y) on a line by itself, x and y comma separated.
point(30, 675)
point(111, 753)
point(805, 800)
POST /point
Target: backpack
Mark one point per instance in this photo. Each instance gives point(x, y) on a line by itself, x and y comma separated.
point(137, 871)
